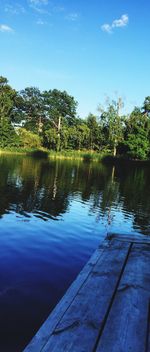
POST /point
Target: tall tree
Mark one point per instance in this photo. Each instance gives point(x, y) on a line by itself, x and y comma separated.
point(137, 134)
point(60, 108)
point(7, 96)
point(112, 124)
point(30, 107)
point(95, 138)
point(146, 106)
point(8, 136)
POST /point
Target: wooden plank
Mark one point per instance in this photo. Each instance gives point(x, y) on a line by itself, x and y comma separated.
point(126, 327)
point(134, 238)
point(42, 336)
point(79, 327)
point(148, 331)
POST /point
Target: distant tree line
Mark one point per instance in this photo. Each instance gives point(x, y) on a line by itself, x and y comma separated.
point(31, 118)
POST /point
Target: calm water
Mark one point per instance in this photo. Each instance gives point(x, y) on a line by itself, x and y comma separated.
point(52, 217)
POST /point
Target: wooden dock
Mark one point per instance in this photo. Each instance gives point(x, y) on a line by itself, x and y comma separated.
point(107, 308)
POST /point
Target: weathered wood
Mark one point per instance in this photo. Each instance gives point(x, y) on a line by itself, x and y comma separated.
point(107, 308)
point(127, 324)
point(42, 336)
point(134, 238)
point(79, 327)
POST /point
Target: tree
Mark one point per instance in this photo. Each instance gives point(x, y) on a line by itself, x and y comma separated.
point(96, 135)
point(60, 108)
point(73, 137)
point(146, 105)
point(51, 138)
point(7, 96)
point(137, 134)
point(28, 139)
point(8, 136)
point(83, 133)
point(30, 108)
point(112, 124)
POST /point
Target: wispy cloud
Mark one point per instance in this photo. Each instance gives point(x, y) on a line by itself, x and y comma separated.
point(5, 28)
point(17, 9)
point(39, 6)
point(73, 16)
point(41, 22)
point(117, 23)
point(106, 28)
point(39, 2)
point(41, 11)
point(58, 9)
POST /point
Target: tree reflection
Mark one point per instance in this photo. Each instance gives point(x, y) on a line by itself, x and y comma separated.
point(45, 189)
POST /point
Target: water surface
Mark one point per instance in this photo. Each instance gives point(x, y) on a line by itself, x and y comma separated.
point(53, 215)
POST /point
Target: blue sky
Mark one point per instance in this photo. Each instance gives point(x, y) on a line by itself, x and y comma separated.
point(91, 48)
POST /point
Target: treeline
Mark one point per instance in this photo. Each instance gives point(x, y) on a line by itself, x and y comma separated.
point(33, 119)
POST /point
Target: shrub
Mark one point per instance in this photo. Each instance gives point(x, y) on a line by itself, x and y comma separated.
point(8, 136)
point(28, 139)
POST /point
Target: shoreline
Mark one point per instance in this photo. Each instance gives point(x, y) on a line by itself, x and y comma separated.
point(86, 156)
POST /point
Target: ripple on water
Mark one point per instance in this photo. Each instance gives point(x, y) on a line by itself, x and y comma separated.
point(52, 217)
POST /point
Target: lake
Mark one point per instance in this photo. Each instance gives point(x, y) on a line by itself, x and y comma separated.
point(53, 215)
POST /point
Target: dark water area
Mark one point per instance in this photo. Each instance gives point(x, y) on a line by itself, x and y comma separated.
point(53, 215)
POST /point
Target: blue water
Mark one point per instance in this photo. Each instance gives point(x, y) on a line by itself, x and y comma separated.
point(53, 215)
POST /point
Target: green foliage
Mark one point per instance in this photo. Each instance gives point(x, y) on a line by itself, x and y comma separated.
point(7, 97)
point(137, 135)
point(138, 145)
point(51, 139)
point(59, 105)
point(61, 110)
point(28, 139)
point(95, 134)
point(31, 109)
point(112, 125)
point(76, 155)
point(49, 119)
point(146, 106)
point(8, 136)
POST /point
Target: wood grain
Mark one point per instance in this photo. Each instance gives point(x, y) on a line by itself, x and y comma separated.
point(126, 327)
point(79, 327)
point(43, 334)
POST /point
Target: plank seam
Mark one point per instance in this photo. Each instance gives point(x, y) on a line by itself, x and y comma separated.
point(112, 299)
point(133, 241)
point(109, 244)
point(139, 238)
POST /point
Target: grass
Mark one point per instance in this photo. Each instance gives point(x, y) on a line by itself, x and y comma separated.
point(86, 156)
point(27, 151)
point(83, 155)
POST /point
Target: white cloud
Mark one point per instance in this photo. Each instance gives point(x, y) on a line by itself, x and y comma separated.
point(117, 23)
point(41, 11)
point(121, 22)
point(14, 10)
point(38, 2)
point(39, 6)
point(106, 28)
point(5, 28)
point(72, 16)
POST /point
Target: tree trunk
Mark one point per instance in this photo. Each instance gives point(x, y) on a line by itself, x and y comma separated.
point(58, 127)
point(115, 150)
point(40, 125)
point(59, 123)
